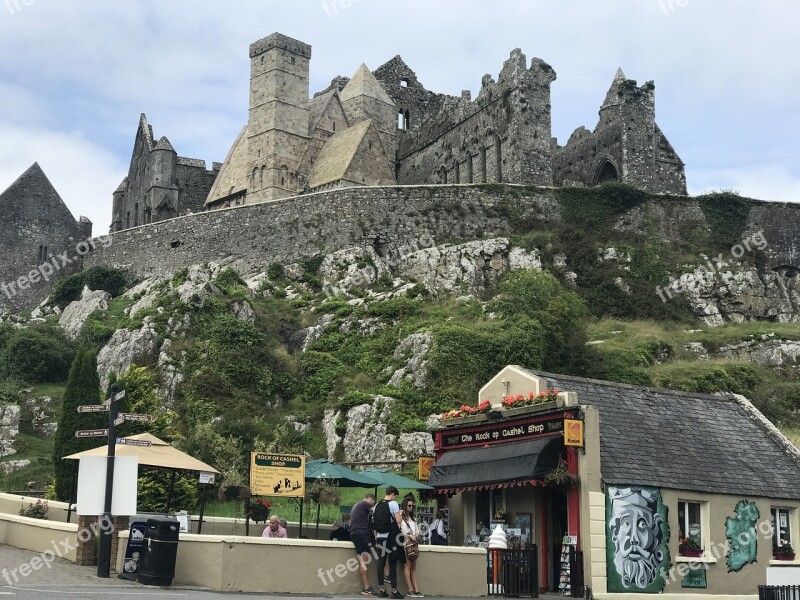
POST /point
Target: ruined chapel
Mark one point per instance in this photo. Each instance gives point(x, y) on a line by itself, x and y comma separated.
point(384, 127)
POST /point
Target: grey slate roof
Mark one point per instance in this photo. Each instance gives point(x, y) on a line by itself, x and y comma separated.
point(683, 441)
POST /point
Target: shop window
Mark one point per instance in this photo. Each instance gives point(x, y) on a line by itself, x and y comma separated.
point(692, 525)
point(781, 527)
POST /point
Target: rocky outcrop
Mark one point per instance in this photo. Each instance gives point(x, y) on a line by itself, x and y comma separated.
point(414, 351)
point(303, 338)
point(366, 437)
point(351, 268)
point(738, 295)
point(41, 413)
point(126, 348)
point(10, 466)
point(475, 267)
point(764, 350)
point(197, 287)
point(76, 313)
point(243, 311)
point(9, 429)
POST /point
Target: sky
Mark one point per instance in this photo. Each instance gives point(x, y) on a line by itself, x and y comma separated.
point(76, 74)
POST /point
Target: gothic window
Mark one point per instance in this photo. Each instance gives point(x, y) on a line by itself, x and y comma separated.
point(128, 221)
point(256, 178)
point(444, 174)
point(42, 256)
point(284, 174)
point(263, 175)
point(334, 125)
point(469, 169)
point(408, 121)
point(457, 169)
point(401, 120)
point(606, 172)
point(136, 215)
point(483, 165)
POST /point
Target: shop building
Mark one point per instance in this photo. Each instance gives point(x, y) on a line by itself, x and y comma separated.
point(650, 490)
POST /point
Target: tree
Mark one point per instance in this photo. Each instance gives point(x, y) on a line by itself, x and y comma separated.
point(538, 296)
point(83, 387)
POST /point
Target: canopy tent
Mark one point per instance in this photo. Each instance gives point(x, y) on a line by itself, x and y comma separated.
point(388, 478)
point(325, 471)
point(322, 469)
point(158, 455)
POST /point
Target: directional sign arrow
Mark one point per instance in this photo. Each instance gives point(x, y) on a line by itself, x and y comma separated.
point(119, 420)
point(137, 417)
point(93, 408)
point(117, 398)
point(82, 433)
point(127, 442)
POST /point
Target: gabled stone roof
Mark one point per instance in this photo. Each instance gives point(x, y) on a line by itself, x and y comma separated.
point(363, 83)
point(164, 144)
point(612, 97)
point(33, 187)
point(684, 441)
point(337, 154)
point(232, 176)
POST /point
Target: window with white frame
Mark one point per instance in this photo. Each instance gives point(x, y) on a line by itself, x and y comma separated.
point(690, 523)
point(781, 527)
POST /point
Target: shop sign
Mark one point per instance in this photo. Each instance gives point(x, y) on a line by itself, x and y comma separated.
point(696, 578)
point(502, 432)
point(425, 464)
point(573, 433)
point(275, 474)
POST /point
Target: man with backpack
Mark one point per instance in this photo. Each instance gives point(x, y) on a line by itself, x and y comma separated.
point(386, 523)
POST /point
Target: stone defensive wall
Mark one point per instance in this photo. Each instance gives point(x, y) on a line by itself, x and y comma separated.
point(401, 219)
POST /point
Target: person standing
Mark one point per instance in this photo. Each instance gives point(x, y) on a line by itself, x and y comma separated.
point(438, 530)
point(386, 520)
point(410, 529)
point(274, 529)
point(361, 536)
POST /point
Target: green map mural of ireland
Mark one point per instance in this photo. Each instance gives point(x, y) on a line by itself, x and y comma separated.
point(741, 533)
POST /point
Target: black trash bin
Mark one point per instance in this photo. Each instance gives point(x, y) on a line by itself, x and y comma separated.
point(157, 563)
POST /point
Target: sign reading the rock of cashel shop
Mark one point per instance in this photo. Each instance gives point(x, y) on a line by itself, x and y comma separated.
point(277, 474)
point(503, 432)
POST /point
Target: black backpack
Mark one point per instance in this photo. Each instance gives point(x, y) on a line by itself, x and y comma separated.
point(381, 518)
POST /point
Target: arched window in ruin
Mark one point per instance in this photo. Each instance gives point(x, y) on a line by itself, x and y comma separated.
point(264, 174)
point(256, 179)
point(128, 221)
point(606, 172)
point(401, 120)
point(443, 175)
point(457, 169)
point(483, 165)
point(408, 120)
point(136, 215)
point(470, 173)
point(284, 175)
point(498, 148)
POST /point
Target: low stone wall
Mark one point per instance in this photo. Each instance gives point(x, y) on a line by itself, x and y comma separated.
point(11, 503)
point(247, 564)
point(39, 535)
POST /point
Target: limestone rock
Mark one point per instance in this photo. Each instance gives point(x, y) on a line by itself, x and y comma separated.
point(10, 466)
point(168, 374)
point(126, 348)
point(366, 438)
point(302, 339)
point(9, 429)
point(40, 409)
point(763, 351)
point(76, 313)
point(243, 311)
point(475, 267)
point(414, 350)
point(351, 268)
point(197, 287)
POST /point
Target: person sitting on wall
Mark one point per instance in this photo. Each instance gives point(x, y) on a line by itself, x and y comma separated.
point(274, 529)
point(339, 533)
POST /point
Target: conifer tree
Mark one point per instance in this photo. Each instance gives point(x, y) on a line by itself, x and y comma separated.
point(83, 387)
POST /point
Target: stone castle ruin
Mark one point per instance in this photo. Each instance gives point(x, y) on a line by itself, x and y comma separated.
point(384, 128)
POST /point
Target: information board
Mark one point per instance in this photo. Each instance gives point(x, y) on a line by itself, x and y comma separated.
point(276, 474)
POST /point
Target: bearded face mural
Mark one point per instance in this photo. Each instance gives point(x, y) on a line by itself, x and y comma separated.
point(637, 540)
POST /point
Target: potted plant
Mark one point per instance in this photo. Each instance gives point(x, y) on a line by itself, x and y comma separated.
point(466, 414)
point(784, 551)
point(560, 477)
point(690, 547)
point(541, 401)
point(257, 509)
point(35, 511)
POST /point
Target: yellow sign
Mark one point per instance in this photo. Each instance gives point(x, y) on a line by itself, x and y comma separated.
point(276, 474)
point(425, 464)
point(573, 433)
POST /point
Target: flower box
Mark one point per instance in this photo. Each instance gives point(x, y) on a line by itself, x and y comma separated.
point(534, 408)
point(782, 556)
point(691, 553)
point(465, 420)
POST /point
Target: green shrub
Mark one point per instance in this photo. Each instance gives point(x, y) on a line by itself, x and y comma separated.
point(108, 279)
point(37, 354)
point(276, 272)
